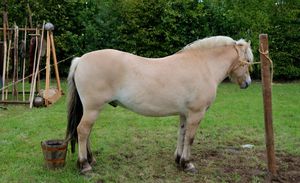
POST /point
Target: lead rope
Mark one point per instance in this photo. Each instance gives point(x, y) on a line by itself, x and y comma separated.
point(242, 62)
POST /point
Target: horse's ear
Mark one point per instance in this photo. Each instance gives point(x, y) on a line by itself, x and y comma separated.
point(249, 43)
point(239, 43)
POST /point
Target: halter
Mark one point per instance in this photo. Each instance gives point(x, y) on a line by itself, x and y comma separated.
point(244, 62)
point(240, 63)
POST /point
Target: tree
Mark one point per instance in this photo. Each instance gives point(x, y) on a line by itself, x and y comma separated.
point(156, 28)
point(284, 39)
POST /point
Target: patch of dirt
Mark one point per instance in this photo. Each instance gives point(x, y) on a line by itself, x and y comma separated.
point(232, 164)
point(289, 167)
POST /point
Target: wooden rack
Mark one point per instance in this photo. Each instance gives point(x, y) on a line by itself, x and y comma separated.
point(15, 66)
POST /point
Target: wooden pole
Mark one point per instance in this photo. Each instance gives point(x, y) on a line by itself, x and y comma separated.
point(24, 62)
point(8, 62)
point(267, 100)
point(32, 90)
point(47, 84)
point(4, 50)
point(29, 15)
point(38, 65)
point(55, 63)
point(16, 62)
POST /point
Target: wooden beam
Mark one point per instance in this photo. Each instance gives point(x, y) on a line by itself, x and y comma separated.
point(21, 29)
point(13, 102)
point(20, 92)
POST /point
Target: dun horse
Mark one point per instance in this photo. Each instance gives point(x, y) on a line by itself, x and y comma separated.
point(183, 84)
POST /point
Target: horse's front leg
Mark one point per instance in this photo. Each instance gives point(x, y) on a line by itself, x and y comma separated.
point(192, 123)
point(181, 132)
point(90, 156)
point(83, 130)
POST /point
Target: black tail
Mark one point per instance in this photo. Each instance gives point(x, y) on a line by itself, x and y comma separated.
point(75, 109)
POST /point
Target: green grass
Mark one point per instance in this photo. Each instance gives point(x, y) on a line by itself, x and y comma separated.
point(133, 148)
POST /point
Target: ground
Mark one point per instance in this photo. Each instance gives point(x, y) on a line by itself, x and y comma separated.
point(247, 164)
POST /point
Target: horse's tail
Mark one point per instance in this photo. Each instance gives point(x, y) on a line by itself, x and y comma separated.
point(75, 109)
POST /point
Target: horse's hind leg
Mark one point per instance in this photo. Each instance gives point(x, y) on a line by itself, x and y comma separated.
point(91, 159)
point(83, 130)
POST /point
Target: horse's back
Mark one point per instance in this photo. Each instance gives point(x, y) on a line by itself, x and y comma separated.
point(102, 62)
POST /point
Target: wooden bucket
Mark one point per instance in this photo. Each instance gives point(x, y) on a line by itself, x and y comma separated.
point(55, 152)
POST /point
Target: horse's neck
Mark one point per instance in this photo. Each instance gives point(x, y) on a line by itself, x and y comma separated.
point(223, 60)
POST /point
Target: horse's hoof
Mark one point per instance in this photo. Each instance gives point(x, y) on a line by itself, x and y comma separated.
point(84, 167)
point(177, 159)
point(85, 170)
point(192, 170)
point(93, 161)
point(183, 163)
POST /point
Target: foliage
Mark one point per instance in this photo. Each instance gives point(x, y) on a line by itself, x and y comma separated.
point(285, 37)
point(156, 28)
point(160, 28)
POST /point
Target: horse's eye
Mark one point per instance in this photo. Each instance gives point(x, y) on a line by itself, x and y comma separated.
point(250, 68)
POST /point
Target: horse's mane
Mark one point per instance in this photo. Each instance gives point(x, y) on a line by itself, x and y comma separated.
point(210, 42)
point(217, 41)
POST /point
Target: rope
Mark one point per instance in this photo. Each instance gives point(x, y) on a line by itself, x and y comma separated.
point(266, 55)
point(243, 62)
point(4, 87)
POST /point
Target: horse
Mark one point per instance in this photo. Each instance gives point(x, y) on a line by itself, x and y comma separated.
point(183, 84)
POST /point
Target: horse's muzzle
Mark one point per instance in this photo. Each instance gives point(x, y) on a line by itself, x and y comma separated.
point(245, 84)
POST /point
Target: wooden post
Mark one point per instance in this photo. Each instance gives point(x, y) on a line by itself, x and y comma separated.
point(267, 100)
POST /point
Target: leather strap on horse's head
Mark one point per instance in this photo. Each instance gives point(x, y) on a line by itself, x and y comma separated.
point(243, 62)
point(239, 63)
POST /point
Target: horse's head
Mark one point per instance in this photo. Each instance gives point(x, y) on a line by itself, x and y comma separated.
point(239, 71)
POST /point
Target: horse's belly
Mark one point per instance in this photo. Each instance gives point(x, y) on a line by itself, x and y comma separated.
point(150, 108)
point(154, 111)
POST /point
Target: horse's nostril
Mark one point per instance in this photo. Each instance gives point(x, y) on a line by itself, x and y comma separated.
point(244, 85)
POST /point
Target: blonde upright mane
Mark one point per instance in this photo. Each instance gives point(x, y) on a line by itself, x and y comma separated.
point(210, 42)
point(217, 41)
